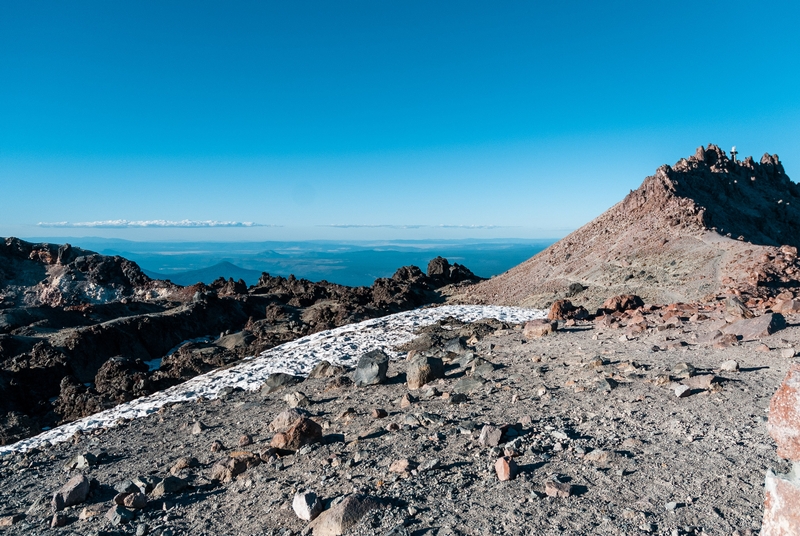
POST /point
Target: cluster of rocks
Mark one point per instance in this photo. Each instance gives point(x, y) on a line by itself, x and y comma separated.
point(705, 227)
point(82, 332)
point(484, 427)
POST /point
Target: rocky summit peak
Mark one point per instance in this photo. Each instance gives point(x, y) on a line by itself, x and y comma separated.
point(708, 225)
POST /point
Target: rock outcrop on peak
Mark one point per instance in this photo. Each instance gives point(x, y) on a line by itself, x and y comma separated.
point(707, 226)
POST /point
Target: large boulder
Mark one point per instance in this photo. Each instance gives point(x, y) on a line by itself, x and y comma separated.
point(73, 492)
point(752, 329)
point(371, 369)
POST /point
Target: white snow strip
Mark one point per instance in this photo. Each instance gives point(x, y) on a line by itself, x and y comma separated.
point(341, 345)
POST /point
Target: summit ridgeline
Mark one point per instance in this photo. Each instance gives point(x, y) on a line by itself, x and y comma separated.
point(707, 226)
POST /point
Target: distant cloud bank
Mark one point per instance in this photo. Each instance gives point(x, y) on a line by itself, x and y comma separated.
point(386, 226)
point(126, 224)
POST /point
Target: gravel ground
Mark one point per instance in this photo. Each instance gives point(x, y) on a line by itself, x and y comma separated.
point(580, 407)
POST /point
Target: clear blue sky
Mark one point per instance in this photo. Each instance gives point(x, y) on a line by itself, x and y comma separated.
point(512, 119)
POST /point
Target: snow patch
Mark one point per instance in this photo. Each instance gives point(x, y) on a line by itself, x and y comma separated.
point(339, 346)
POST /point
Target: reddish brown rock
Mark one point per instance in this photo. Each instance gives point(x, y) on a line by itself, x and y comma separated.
point(539, 328)
point(560, 310)
point(787, 307)
point(303, 432)
point(233, 465)
point(506, 468)
point(623, 302)
point(558, 489)
point(784, 416)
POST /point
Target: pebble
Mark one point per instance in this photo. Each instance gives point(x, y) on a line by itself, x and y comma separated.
point(787, 353)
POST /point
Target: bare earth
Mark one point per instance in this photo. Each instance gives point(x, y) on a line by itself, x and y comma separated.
point(586, 408)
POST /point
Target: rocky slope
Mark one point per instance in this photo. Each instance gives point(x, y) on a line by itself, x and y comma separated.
point(81, 332)
point(486, 428)
point(704, 227)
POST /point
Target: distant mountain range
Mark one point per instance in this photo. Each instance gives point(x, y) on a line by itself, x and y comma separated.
point(346, 263)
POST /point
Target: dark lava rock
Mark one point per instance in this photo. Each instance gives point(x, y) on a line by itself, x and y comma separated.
point(371, 368)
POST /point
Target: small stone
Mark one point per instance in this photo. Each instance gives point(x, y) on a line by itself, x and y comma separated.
point(7, 521)
point(457, 398)
point(182, 463)
point(126, 486)
point(303, 432)
point(118, 515)
point(400, 466)
point(145, 483)
point(142, 529)
point(558, 489)
point(407, 400)
point(702, 381)
point(684, 370)
point(135, 500)
point(429, 465)
point(217, 446)
point(171, 484)
point(378, 413)
point(598, 456)
point(58, 520)
point(81, 462)
point(535, 329)
point(422, 369)
point(506, 468)
point(91, 512)
point(490, 436)
point(238, 462)
point(287, 418)
point(198, 427)
point(244, 440)
point(73, 492)
point(468, 385)
point(787, 353)
point(730, 365)
point(306, 505)
point(297, 400)
point(670, 506)
point(324, 369)
point(682, 391)
point(279, 380)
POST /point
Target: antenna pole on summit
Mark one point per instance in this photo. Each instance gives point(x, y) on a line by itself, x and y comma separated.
point(734, 152)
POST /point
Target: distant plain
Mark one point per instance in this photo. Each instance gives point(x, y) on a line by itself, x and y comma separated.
point(353, 263)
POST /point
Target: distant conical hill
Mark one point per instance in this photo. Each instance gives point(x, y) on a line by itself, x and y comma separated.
point(707, 226)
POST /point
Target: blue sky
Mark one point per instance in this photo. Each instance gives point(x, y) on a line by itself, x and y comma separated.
point(374, 119)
